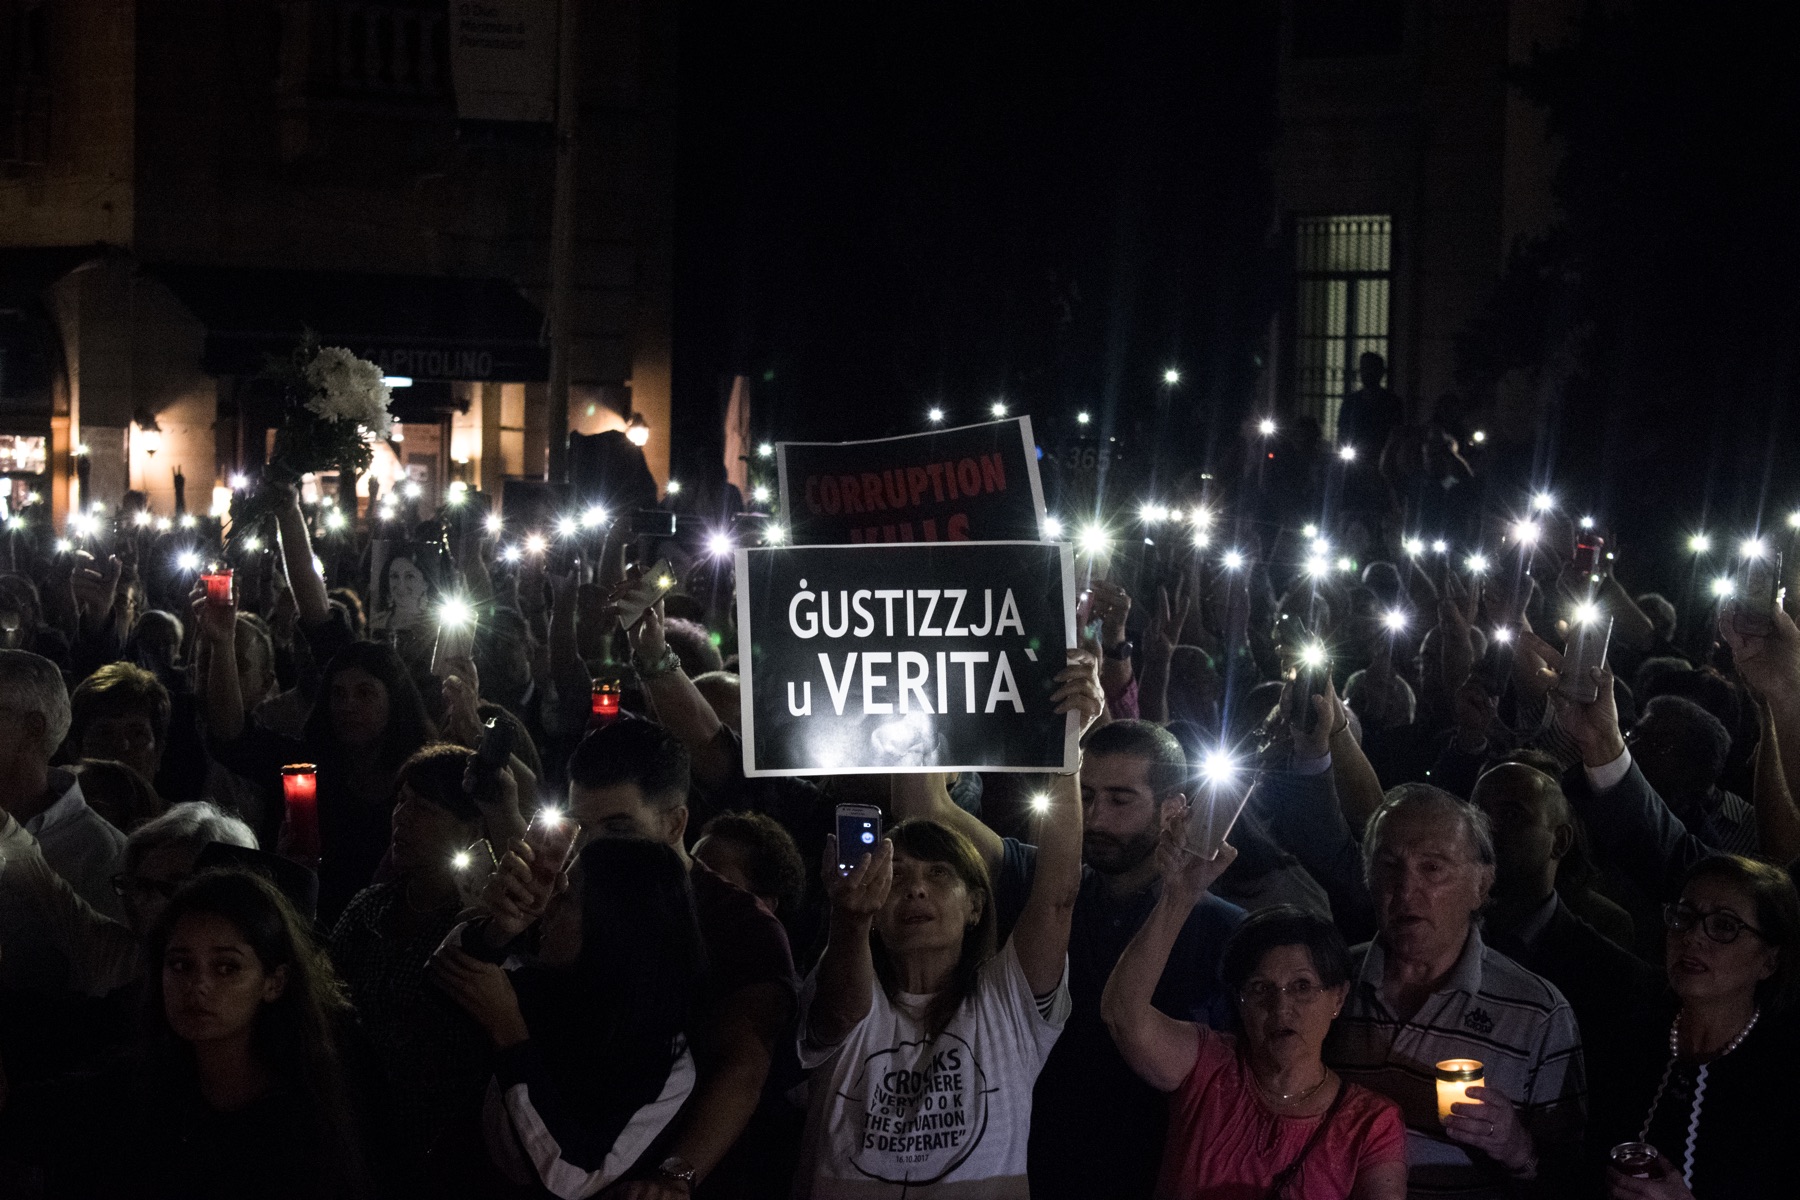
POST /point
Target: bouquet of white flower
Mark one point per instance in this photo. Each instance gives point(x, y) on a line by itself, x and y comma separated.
point(342, 410)
point(346, 388)
point(336, 410)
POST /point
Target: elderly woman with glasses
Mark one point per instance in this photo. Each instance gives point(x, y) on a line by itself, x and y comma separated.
point(1260, 1114)
point(1714, 1110)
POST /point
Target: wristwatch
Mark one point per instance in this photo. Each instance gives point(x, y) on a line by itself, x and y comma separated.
point(679, 1170)
point(1120, 652)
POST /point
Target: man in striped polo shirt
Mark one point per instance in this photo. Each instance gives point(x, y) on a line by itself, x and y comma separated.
point(1427, 989)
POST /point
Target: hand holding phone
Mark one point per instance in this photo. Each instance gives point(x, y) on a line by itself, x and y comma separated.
point(551, 837)
point(858, 833)
point(1758, 594)
point(494, 750)
point(528, 877)
point(1586, 650)
point(639, 595)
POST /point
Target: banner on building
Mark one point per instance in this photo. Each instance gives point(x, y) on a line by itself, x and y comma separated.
point(978, 483)
point(503, 59)
point(904, 658)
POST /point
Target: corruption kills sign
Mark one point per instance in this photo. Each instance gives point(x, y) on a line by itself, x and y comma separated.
point(978, 483)
point(905, 658)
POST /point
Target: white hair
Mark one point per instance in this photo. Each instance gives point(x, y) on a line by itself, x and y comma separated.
point(190, 826)
point(1423, 797)
point(32, 683)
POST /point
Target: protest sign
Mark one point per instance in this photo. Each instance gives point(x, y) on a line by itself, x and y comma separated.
point(978, 483)
point(905, 658)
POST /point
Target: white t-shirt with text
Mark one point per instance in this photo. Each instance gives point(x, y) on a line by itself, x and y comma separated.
point(894, 1113)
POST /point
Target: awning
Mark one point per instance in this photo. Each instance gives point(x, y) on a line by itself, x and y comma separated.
point(426, 327)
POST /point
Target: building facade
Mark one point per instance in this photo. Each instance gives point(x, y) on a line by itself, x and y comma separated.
point(1404, 172)
point(189, 186)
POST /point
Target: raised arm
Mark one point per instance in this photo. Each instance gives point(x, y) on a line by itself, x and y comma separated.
point(1358, 789)
point(1041, 937)
point(1631, 825)
point(845, 989)
point(223, 699)
point(1777, 820)
point(678, 703)
point(1158, 1047)
point(927, 798)
point(297, 556)
point(1161, 635)
point(1770, 664)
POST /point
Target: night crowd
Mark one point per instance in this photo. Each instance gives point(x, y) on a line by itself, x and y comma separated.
point(551, 940)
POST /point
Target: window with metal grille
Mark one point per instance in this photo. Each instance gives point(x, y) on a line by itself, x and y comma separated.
point(1342, 269)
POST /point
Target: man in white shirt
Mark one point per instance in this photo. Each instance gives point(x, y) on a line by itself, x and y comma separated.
point(76, 841)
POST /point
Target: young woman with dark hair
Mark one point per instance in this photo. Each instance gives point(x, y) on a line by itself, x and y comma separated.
point(368, 719)
point(590, 1036)
point(924, 1042)
point(238, 1088)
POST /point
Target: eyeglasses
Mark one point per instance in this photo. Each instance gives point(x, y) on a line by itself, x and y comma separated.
point(144, 889)
point(1263, 992)
point(1721, 927)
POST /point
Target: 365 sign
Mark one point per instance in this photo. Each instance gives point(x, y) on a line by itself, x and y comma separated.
point(905, 658)
point(977, 483)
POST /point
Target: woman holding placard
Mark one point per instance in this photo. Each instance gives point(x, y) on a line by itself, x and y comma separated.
point(924, 1042)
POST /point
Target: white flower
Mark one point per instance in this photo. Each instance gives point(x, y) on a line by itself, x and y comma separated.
point(348, 388)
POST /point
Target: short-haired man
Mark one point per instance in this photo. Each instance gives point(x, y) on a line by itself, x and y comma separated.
point(1428, 988)
point(630, 779)
point(121, 712)
point(1096, 1128)
point(1682, 748)
point(76, 841)
point(1610, 990)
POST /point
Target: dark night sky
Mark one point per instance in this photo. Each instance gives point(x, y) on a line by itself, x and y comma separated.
point(890, 206)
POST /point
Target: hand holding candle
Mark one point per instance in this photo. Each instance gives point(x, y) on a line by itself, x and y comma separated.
point(1482, 1117)
point(1455, 1076)
point(218, 586)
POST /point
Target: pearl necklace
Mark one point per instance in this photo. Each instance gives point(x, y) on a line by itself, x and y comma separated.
point(1693, 1132)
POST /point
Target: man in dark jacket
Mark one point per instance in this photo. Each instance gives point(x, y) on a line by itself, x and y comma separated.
point(1529, 923)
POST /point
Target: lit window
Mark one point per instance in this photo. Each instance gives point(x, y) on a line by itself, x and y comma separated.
point(1342, 270)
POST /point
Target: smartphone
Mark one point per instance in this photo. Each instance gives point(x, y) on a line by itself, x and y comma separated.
point(1586, 650)
point(858, 833)
point(1757, 594)
point(1590, 554)
point(551, 836)
point(748, 528)
point(471, 867)
point(654, 523)
point(454, 640)
point(644, 592)
point(1309, 681)
point(495, 748)
point(1211, 814)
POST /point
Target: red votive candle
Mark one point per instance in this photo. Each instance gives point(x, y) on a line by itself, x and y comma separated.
point(605, 701)
point(300, 788)
point(218, 586)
